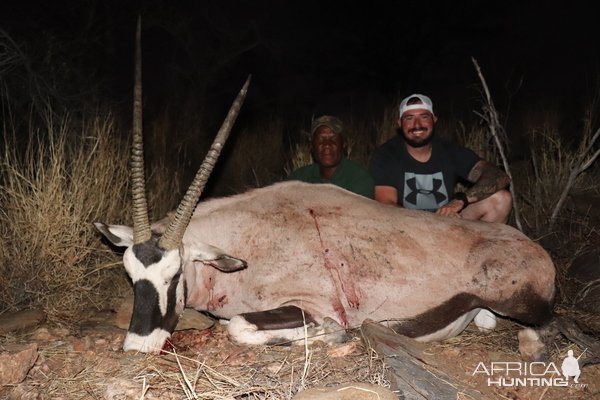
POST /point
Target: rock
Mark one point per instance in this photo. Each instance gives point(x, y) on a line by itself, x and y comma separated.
point(41, 334)
point(20, 320)
point(343, 349)
point(81, 344)
point(121, 389)
point(191, 319)
point(24, 392)
point(348, 391)
point(15, 362)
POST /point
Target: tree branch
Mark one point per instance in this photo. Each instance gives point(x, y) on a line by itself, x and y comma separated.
point(494, 125)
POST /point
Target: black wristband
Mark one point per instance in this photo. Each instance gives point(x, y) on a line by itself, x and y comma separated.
point(462, 197)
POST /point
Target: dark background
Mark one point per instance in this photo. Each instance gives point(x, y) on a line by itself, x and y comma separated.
point(314, 56)
point(306, 57)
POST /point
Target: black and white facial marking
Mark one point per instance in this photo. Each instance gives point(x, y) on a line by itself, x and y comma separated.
point(159, 295)
point(160, 290)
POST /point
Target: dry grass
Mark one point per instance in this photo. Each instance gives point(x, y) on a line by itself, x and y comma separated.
point(64, 176)
point(280, 373)
point(299, 152)
point(255, 157)
point(387, 127)
point(300, 156)
point(544, 178)
point(52, 191)
point(547, 175)
point(478, 139)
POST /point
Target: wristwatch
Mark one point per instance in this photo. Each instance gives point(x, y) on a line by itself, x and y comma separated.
point(462, 197)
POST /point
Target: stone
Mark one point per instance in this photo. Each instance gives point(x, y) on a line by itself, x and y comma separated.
point(344, 349)
point(15, 362)
point(19, 320)
point(348, 391)
point(41, 334)
point(81, 344)
point(192, 319)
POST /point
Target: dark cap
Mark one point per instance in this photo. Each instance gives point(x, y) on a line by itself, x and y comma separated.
point(332, 123)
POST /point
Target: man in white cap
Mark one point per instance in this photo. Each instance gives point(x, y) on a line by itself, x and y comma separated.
point(418, 170)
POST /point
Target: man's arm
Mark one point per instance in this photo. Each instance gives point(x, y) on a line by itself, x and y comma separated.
point(487, 179)
point(386, 194)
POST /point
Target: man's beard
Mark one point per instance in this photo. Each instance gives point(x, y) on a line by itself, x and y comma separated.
point(422, 142)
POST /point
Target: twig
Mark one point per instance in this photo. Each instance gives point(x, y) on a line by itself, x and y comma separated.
point(544, 392)
point(187, 388)
point(538, 190)
point(494, 124)
point(307, 352)
point(145, 388)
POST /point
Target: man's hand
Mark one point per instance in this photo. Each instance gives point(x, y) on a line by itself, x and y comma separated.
point(451, 209)
point(386, 194)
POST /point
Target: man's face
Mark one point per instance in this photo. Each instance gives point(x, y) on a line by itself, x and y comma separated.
point(327, 147)
point(417, 127)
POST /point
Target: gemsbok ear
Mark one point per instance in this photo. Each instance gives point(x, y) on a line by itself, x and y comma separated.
point(119, 235)
point(227, 263)
point(215, 257)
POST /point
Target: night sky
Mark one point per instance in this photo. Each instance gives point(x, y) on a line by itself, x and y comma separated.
point(312, 57)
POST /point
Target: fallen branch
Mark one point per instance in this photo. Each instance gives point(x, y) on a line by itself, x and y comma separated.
point(415, 374)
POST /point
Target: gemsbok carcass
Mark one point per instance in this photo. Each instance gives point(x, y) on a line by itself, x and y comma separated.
point(276, 258)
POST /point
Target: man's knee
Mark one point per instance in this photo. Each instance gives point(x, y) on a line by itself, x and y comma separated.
point(503, 200)
point(495, 208)
point(501, 203)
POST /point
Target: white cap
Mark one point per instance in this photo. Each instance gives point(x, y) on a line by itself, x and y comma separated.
point(425, 104)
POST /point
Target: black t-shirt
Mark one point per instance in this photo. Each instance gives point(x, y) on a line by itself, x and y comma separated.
point(424, 186)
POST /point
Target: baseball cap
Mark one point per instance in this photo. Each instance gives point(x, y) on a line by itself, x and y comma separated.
point(425, 104)
point(332, 123)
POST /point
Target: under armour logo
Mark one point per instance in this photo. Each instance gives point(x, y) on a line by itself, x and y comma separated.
point(424, 191)
point(434, 191)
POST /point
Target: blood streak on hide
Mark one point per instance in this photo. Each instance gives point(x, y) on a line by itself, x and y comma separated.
point(340, 268)
point(214, 300)
point(217, 302)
